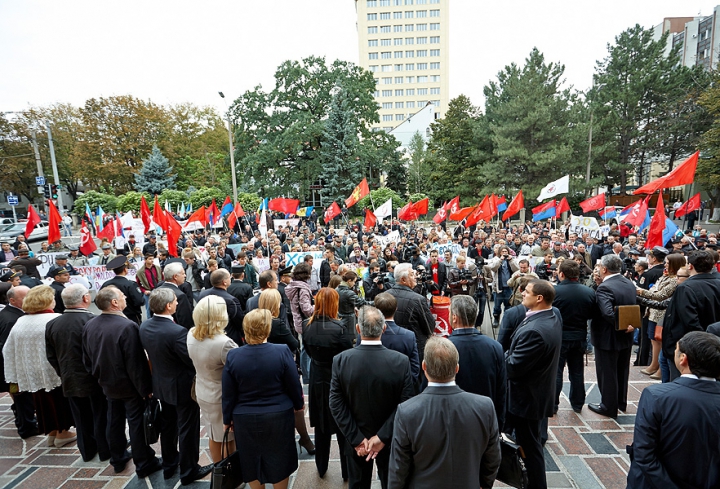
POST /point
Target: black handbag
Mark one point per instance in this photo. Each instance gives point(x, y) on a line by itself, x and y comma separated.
point(512, 467)
point(227, 473)
point(152, 417)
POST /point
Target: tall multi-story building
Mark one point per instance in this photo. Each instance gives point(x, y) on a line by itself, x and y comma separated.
point(697, 37)
point(404, 43)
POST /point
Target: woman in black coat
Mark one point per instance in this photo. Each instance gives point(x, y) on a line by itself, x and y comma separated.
point(349, 300)
point(324, 337)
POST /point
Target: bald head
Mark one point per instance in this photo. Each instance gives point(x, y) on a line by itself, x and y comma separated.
point(16, 295)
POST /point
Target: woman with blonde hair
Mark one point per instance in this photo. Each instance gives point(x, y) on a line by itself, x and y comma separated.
point(208, 347)
point(260, 392)
point(27, 366)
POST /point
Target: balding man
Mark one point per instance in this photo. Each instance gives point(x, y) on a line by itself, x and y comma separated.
point(63, 342)
point(174, 275)
point(220, 280)
point(23, 406)
point(444, 419)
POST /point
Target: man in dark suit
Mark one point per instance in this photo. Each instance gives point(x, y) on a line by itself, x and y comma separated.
point(134, 298)
point(443, 420)
point(220, 280)
point(531, 364)
point(482, 363)
point(576, 303)
point(612, 348)
point(267, 280)
point(63, 344)
point(60, 278)
point(238, 288)
point(368, 382)
point(394, 337)
point(23, 406)
point(675, 440)
point(172, 377)
point(694, 305)
point(174, 275)
point(512, 318)
point(114, 355)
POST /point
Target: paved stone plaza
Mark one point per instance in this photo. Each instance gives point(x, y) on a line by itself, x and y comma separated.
point(584, 450)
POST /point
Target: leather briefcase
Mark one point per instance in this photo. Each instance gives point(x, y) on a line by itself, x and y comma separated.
point(512, 469)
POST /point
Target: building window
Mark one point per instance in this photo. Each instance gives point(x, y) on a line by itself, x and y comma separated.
point(371, 17)
point(409, 27)
point(386, 55)
point(387, 80)
point(397, 28)
point(372, 30)
point(423, 79)
point(371, 3)
point(434, 13)
point(372, 42)
point(410, 105)
point(397, 3)
point(409, 54)
point(434, 1)
point(435, 27)
point(422, 40)
point(384, 3)
point(385, 16)
point(409, 79)
point(421, 27)
point(387, 105)
point(434, 52)
point(410, 92)
point(398, 54)
point(376, 94)
point(422, 53)
point(420, 2)
point(409, 14)
point(409, 67)
point(422, 66)
point(385, 29)
point(397, 15)
point(409, 40)
point(435, 78)
point(397, 41)
point(385, 42)
point(386, 68)
point(398, 67)
point(420, 14)
point(398, 80)
point(435, 66)
point(435, 40)
point(398, 93)
point(399, 105)
point(422, 103)
point(436, 103)
point(422, 91)
point(435, 91)
point(408, 2)
point(399, 117)
point(373, 68)
point(387, 118)
point(387, 93)
point(373, 55)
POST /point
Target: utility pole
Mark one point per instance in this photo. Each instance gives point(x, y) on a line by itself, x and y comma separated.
point(54, 167)
point(39, 166)
point(232, 153)
point(589, 160)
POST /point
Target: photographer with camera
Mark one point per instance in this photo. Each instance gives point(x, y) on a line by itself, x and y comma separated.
point(377, 282)
point(502, 266)
point(461, 279)
point(544, 269)
point(514, 281)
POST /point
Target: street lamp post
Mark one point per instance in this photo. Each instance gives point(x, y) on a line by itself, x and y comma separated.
point(232, 154)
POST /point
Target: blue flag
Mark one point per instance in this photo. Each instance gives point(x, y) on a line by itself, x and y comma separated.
point(669, 231)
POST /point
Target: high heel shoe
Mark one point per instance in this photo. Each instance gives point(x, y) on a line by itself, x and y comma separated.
point(307, 444)
point(648, 371)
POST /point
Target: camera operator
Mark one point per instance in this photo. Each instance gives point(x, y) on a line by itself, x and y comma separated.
point(425, 283)
point(377, 282)
point(542, 269)
point(438, 272)
point(461, 279)
point(412, 256)
point(514, 281)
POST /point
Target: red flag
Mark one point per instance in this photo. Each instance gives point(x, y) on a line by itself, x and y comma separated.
point(236, 214)
point(493, 203)
point(370, 219)
point(54, 221)
point(563, 206)
point(108, 231)
point(683, 174)
point(287, 206)
point(145, 213)
point(481, 211)
point(33, 220)
point(331, 212)
point(199, 216)
point(407, 213)
point(174, 230)
point(360, 191)
point(212, 213)
point(515, 206)
point(692, 204)
point(461, 214)
point(453, 206)
point(159, 216)
point(593, 203)
point(638, 211)
point(87, 243)
point(441, 215)
point(226, 201)
point(421, 207)
point(657, 226)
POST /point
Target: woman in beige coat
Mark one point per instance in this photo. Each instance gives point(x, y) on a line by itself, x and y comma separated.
point(208, 347)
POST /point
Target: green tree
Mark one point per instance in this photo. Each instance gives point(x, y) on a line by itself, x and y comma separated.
point(417, 156)
point(379, 197)
point(155, 174)
point(108, 202)
point(174, 198)
point(130, 201)
point(205, 195)
point(18, 162)
point(708, 169)
point(248, 201)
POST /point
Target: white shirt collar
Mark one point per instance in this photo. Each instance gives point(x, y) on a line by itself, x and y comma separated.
point(371, 342)
point(611, 276)
point(693, 376)
point(166, 316)
point(441, 384)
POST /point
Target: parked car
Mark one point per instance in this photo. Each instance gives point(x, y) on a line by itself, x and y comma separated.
point(4, 221)
point(12, 231)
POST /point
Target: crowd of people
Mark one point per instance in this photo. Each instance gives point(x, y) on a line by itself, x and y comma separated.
point(211, 334)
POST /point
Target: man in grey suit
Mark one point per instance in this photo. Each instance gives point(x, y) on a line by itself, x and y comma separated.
point(444, 437)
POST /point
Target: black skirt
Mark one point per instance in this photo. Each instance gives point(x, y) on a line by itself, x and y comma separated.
point(266, 444)
point(53, 410)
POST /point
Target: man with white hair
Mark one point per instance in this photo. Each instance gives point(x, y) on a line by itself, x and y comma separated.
point(63, 341)
point(174, 275)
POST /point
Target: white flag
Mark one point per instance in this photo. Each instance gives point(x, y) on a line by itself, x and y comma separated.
point(561, 186)
point(384, 210)
point(262, 226)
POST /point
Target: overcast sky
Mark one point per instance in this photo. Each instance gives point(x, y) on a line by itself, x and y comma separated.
point(180, 51)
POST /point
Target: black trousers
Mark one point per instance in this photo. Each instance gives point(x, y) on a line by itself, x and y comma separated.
point(142, 454)
point(24, 409)
point(323, 441)
point(613, 371)
point(181, 423)
point(91, 417)
point(572, 353)
point(644, 354)
point(527, 435)
point(360, 471)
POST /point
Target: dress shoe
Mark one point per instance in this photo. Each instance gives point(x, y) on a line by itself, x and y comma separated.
point(656, 376)
point(169, 472)
point(199, 474)
point(155, 465)
point(600, 409)
point(577, 409)
point(647, 371)
point(61, 442)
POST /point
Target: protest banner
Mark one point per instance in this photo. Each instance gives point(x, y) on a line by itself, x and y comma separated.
point(383, 241)
point(583, 224)
point(293, 223)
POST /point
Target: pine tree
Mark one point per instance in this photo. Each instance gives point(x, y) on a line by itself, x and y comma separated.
point(155, 175)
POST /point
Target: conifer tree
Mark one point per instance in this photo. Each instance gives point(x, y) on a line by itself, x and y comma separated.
point(155, 175)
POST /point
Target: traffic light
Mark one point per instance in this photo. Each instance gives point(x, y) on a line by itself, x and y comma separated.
point(46, 190)
point(53, 191)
